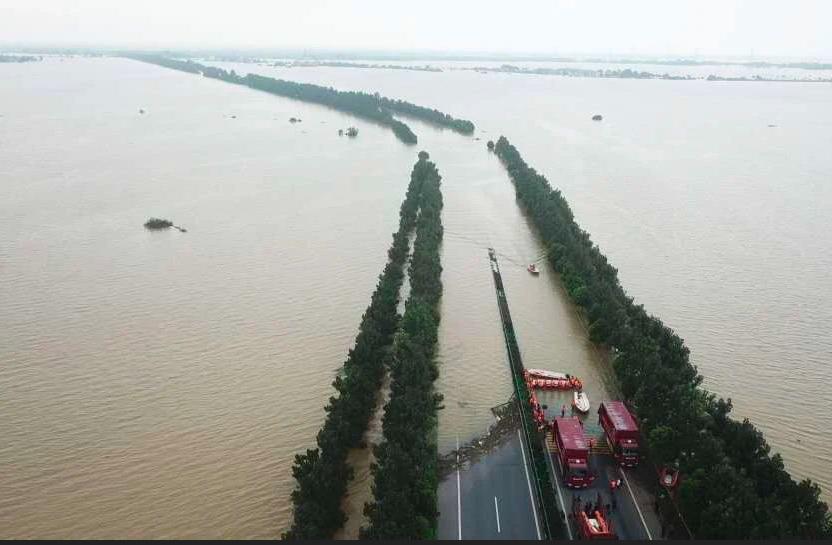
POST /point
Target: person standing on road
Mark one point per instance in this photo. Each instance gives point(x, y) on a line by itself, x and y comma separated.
point(615, 484)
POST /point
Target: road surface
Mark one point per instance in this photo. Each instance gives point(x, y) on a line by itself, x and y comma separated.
point(491, 499)
point(632, 517)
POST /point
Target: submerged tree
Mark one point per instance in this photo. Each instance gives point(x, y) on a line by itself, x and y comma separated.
point(157, 223)
point(322, 473)
point(365, 105)
point(405, 475)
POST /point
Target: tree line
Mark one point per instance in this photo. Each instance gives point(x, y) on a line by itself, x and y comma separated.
point(175, 64)
point(360, 104)
point(373, 107)
point(19, 58)
point(462, 126)
point(322, 473)
point(405, 476)
point(732, 486)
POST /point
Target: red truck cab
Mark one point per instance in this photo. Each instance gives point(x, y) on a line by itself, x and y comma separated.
point(621, 431)
point(573, 452)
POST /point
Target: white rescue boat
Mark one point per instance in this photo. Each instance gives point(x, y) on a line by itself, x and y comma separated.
point(544, 374)
point(580, 401)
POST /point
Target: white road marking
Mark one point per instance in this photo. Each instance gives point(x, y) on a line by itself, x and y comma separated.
point(458, 493)
point(556, 484)
point(529, 482)
point(497, 511)
point(627, 482)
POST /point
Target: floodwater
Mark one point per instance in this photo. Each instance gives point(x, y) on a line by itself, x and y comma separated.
point(159, 384)
point(711, 198)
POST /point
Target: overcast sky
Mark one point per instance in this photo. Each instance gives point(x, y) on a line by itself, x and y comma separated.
point(788, 28)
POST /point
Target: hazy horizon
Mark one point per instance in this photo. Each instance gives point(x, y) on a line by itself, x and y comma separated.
point(704, 28)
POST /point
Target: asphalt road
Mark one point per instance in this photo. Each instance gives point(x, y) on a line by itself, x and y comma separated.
point(630, 520)
point(491, 499)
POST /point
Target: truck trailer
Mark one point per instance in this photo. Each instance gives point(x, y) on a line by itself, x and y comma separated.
point(573, 452)
point(621, 431)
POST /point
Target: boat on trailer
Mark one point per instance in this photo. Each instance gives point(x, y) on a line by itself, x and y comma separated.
point(593, 520)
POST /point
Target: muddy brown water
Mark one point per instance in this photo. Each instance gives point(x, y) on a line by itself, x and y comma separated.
point(159, 384)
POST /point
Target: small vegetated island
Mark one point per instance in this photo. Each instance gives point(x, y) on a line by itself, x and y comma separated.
point(155, 224)
point(322, 474)
point(372, 107)
point(732, 486)
point(158, 224)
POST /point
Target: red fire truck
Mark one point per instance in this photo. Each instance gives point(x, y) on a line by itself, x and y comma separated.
point(573, 452)
point(621, 431)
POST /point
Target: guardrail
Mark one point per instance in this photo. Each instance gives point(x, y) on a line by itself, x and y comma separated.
point(553, 523)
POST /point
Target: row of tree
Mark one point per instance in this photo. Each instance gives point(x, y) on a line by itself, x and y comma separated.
point(732, 485)
point(359, 104)
point(322, 473)
point(176, 64)
point(20, 58)
point(462, 126)
point(373, 107)
point(405, 474)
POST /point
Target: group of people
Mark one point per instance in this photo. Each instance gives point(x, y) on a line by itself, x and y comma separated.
point(590, 508)
point(572, 383)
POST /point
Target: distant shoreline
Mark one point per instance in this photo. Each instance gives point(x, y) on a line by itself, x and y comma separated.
point(629, 74)
point(5, 58)
point(336, 60)
point(298, 63)
point(572, 72)
point(326, 55)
